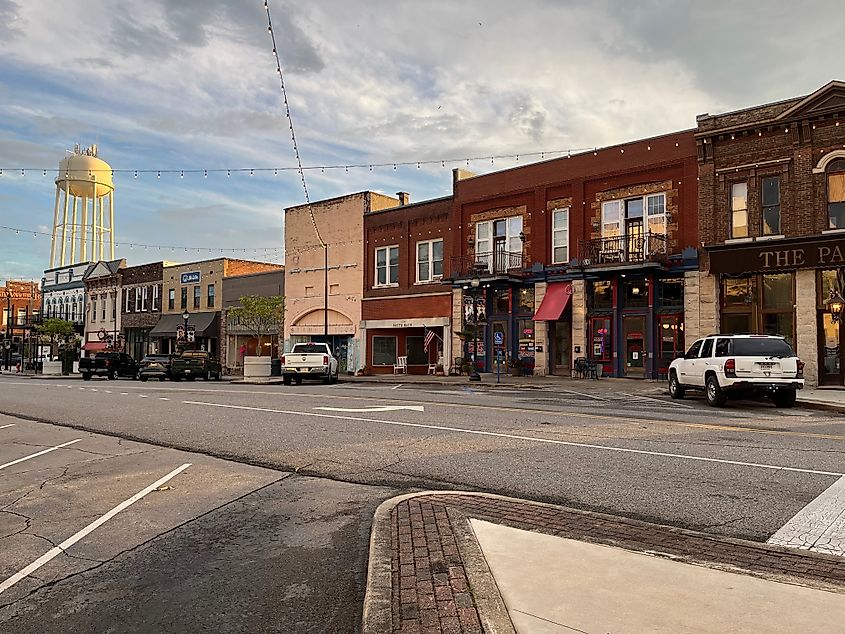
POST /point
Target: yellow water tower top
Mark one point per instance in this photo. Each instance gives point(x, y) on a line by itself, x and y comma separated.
point(84, 175)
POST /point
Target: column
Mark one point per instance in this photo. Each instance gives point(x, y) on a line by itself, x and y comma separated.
point(579, 319)
point(701, 305)
point(806, 324)
point(457, 322)
point(541, 333)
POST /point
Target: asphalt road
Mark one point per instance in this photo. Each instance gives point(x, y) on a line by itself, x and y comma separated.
point(743, 471)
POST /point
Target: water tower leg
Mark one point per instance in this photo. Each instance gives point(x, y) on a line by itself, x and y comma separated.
point(64, 228)
point(102, 229)
point(73, 232)
point(111, 223)
point(55, 227)
point(83, 231)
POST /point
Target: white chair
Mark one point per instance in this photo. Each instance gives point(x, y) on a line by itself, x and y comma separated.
point(401, 367)
point(432, 368)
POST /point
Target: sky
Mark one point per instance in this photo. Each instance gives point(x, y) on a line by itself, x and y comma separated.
point(192, 84)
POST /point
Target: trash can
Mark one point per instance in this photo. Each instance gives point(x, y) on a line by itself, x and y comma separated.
point(275, 366)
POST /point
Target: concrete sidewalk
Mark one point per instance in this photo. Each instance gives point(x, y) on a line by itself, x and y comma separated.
point(552, 585)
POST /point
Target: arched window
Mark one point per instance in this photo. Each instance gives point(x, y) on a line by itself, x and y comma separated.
point(836, 193)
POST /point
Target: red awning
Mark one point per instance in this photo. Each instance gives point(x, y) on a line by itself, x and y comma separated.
point(95, 345)
point(556, 298)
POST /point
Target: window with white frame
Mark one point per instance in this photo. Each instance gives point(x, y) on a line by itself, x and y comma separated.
point(103, 303)
point(611, 219)
point(156, 297)
point(144, 297)
point(560, 236)
point(387, 266)
point(127, 301)
point(429, 260)
point(138, 300)
point(655, 205)
point(93, 309)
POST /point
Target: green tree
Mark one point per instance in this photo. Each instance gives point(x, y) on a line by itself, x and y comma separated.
point(56, 329)
point(260, 316)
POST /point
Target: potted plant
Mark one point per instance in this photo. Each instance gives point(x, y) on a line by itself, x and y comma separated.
point(466, 368)
point(516, 365)
point(438, 371)
point(261, 317)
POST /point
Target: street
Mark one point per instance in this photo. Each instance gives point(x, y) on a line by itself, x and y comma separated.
point(267, 529)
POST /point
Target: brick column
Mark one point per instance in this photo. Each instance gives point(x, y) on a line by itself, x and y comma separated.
point(457, 322)
point(579, 318)
point(701, 305)
point(541, 333)
point(806, 345)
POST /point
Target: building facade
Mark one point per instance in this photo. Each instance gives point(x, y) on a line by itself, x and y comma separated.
point(21, 310)
point(63, 294)
point(194, 289)
point(241, 342)
point(405, 296)
point(772, 226)
point(102, 328)
point(140, 308)
point(582, 256)
point(324, 285)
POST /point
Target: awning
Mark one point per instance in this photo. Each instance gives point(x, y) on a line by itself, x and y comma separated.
point(205, 325)
point(555, 300)
point(95, 346)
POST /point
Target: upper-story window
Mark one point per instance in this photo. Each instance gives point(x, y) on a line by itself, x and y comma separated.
point(127, 301)
point(210, 297)
point(138, 300)
point(184, 298)
point(429, 260)
point(499, 235)
point(144, 298)
point(770, 199)
point(156, 297)
point(387, 266)
point(197, 296)
point(633, 216)
point(94, 309)
point(739, 210)
point(171, 298)
point(560, 236)
point(836, 194)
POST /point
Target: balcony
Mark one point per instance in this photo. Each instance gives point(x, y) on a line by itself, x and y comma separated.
point(490, 264)
point(630, 249)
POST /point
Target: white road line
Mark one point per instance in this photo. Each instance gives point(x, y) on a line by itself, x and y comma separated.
point(40, 453)
point(143, 395)
point(53, 552)
point(93, 389)
point(161, 398)
point(549, 441)
point(396, 387)
point(108, 391)
point(819, 526)
point(5, 426)
point(592, 396)
point(659, 400)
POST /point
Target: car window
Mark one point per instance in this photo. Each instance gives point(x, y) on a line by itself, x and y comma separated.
point(723, 347)
point(305, 348)
point(695, 348)
point(707, 349)
point(761, 347)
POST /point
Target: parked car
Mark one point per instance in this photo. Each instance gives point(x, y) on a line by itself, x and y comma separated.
point(739, 366)
point(155, 366)
point(109, 364)
point(195, 363)
point(309, 361)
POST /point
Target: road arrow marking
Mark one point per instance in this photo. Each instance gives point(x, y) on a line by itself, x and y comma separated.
point(379, 408)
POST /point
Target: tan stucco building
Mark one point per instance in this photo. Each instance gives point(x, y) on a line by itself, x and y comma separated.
point(340, 223)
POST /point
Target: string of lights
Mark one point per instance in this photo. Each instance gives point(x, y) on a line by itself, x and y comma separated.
point(229, 171)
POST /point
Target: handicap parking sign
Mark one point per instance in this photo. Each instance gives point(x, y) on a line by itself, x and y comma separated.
point(498, 338)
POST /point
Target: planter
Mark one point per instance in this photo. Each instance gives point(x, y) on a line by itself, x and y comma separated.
point(257, 367)
point(52, 368)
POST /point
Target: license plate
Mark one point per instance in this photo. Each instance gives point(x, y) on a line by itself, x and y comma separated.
point(187, 371)
point(766, 366)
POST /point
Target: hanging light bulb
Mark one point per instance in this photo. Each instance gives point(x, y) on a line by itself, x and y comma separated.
point(205, 173)
point(252, 172)
point(228, 173)
point(136, 173)
point(181, 173)
point(158, 174)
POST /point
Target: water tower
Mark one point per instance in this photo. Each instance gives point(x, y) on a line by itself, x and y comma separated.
point(83, 219)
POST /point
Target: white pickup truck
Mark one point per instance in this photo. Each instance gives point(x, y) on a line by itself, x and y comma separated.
point(309, 361)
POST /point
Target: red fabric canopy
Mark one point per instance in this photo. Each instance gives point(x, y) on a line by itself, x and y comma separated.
point(95, 345)
point(555, 300)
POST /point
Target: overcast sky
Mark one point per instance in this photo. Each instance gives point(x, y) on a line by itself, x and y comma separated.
point(179, 84)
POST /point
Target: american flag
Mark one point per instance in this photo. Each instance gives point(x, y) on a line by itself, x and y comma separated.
point(429, 337)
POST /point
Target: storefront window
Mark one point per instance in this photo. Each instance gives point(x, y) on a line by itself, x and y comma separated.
point(384, 350)
point(738, 291)
point(525, 300)
point(636, 293)
point(501, 301)
point(526, 340)
point(414, 351)
point(777, 291)
point(779, 324)
point(771, 311)
point(601, 340)
point(601, 295)
point(671, 293)
point(670, 335)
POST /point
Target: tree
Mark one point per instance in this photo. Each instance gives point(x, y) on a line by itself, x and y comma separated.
point(54, 328)
point(261, 316)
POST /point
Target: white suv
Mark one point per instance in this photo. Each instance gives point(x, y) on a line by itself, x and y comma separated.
point(739, 365)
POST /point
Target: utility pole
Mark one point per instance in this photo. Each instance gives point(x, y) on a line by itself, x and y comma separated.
point(326, 292)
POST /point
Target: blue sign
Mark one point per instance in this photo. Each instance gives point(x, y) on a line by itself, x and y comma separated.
point(188, 278)
point(499, 338)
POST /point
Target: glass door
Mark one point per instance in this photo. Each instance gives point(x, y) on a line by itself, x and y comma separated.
point(635, 345)
point(634, 235)
point(830, 351)
point(501, 343)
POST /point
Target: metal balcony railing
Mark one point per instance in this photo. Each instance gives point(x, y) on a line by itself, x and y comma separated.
point(643, 247)
point(487, 264)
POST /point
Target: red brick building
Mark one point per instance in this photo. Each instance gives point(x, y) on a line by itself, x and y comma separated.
point(21, 306)
point(405, 251)
point(581, 256)
point(772, 226)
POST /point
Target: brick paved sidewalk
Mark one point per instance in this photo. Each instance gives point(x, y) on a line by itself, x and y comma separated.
point(438, 581)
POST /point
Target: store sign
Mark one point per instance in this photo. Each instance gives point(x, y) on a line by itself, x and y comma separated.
point(779, 256)
point(190, 278)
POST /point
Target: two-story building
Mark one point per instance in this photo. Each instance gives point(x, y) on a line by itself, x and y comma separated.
point(63, 294)
point(21, 310)
point(405, 296)
point(581, 256)
point(102, 328)
point(772, 226)
point(324, 272)
point(141, 307)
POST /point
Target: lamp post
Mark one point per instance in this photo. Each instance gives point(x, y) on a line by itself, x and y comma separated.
point(835, 303)
point(185, 316)
point(474, 284)
point(7, 343)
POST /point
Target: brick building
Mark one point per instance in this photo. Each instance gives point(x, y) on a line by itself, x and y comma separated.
point(21, 309)
point(772, 226)
point(581, 256)
point(102, 328)
point(404, 291)
point(141, 307)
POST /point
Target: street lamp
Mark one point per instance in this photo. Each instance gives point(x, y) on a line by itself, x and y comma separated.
point(185, 316)
point(7, 343)
point(835, 302)
point(474, 284)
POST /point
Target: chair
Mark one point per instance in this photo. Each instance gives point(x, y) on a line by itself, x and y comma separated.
point(579, 367)
point(432, 368)
point(401, 366)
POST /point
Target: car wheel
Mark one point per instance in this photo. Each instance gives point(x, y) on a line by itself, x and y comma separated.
point(161, 379)
point(111, 376)
point(190, 378)
point(143, 379)
point(286, 380)
point(676, 390)
point(298, 380)
point(177, 378)
point(715, 395)
point(784, 397)
point(86, 376)
point(328, 378)
point(208, 376)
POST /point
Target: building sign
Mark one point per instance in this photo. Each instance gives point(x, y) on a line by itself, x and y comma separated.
point(779, 255)
point(190, 278)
